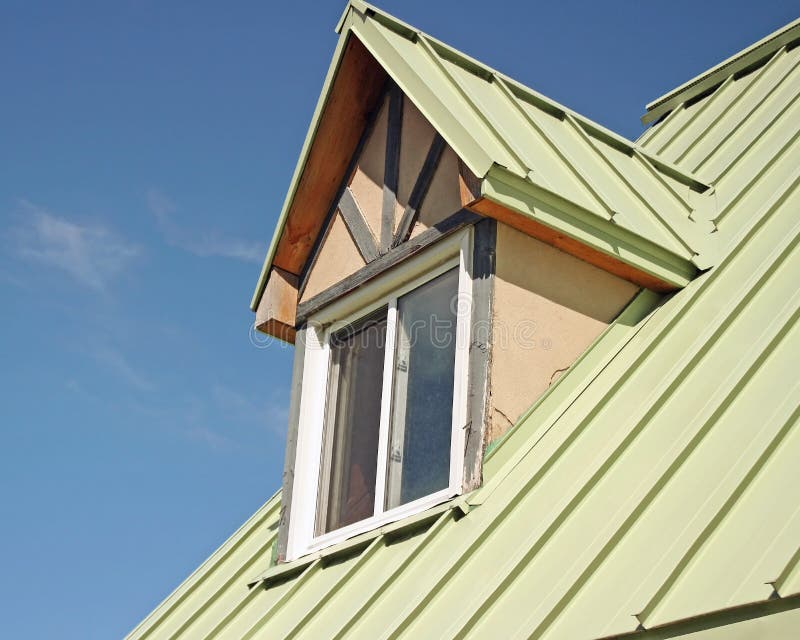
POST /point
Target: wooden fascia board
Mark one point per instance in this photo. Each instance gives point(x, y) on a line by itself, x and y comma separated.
point(351, 62)
point(312, 129)
point(580, 233)
point(277, 308)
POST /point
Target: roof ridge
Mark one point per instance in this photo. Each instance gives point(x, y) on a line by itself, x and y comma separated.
point(749, 56)
point(523, 91)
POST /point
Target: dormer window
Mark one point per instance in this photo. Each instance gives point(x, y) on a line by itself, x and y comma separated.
point(381, 427)
point(437, 287)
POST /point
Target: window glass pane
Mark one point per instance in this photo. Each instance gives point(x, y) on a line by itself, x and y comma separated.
point(352, 425)
point(422, 402)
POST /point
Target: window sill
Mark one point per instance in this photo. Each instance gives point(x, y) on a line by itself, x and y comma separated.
point(352, 545)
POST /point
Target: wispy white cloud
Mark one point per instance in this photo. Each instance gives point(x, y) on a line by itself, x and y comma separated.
point(200, 243)
point(270, 412)
point(212, 439)
point(91, 254)
point(13, 280)
point(114, 361)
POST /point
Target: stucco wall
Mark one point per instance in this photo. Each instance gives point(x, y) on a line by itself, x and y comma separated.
point(338, 258)
point(367, 180)
point(443, 198)
point(548, 307)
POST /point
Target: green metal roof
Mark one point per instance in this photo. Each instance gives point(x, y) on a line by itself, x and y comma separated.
point(657, 480)
point(742, 136)
point(535, 155)
point(738, 63)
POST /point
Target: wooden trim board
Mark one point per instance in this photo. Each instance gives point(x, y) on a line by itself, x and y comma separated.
point(490, 209)
point(457, 221)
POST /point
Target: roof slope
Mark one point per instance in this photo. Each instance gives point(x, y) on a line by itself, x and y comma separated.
point(657, 481)
point(736, 64)
point(515, 138)
point(743, 135)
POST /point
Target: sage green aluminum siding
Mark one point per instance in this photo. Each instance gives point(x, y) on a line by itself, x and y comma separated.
point(657, 481)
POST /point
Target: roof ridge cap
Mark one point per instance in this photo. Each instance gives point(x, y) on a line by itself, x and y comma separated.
point(715, 75)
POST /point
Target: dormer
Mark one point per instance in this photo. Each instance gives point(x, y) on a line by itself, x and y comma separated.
point(450, 244)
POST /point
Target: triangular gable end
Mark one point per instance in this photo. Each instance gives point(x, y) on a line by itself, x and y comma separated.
point(403, 181)
point(398, 101)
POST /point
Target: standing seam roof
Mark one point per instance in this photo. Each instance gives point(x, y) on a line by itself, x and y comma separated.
point(650, 486)
point(655, 482)
point(741, 137)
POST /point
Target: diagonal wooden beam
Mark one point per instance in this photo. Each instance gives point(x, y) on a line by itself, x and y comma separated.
point(357, 226)
point(446, 227)
point(391, 169)
point(420, 189)
point(315, 249)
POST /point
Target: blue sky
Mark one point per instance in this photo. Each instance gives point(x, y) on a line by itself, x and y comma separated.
point(145, 150)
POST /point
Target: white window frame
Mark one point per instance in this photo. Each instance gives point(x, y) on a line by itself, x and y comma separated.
point(453, 251)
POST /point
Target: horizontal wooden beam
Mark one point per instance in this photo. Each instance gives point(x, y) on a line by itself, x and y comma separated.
point(453, 223)
point(276, 312)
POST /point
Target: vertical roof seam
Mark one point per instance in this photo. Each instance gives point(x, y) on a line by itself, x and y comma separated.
point(772, 336)
point(660, 218)
point(522, 168)
point(284, 599)
point(699, 110)
point(753, 82)
point(323, 599)
point(747, 117)
point(426, 537)
point(746, 187)
point(569, 163)
point(654, 131)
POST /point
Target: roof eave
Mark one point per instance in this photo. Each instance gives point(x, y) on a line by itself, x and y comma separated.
point(593, 231)
point(301, 163)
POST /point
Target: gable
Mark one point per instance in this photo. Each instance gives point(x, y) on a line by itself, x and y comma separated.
point(402, 181)
point(338, 257)
point(530, 162)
